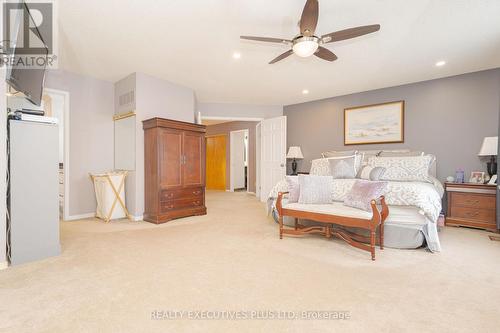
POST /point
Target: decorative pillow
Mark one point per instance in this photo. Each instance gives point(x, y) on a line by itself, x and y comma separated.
point(320, 167)
point(343, 167)
point(293, 188)
point(371, 173)
point(408, 168)
point(315, 189)
point(363, 192)
point(384, 153)
point(336, 153)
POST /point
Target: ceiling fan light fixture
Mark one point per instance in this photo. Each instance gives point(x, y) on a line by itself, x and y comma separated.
point(305, 46)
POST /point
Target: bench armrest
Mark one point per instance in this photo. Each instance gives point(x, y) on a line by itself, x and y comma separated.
point(279, 205)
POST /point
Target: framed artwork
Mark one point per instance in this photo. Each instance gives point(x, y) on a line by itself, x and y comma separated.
point(378, 123)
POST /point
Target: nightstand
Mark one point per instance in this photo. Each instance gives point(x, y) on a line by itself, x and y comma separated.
point(471, 205)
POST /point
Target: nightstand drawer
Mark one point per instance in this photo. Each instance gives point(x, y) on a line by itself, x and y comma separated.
point(474, 200)
point(486, 215)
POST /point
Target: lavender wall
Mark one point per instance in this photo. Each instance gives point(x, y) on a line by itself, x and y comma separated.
point(226, 128)
point(447, 117)
point(154, 97)
point(91, 133)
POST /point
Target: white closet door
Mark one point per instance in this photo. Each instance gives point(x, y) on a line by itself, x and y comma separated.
point(273, 154)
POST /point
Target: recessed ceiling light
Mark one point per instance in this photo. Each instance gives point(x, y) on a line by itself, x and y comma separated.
point(236, 55)
point(305, 91)
point(440, 63)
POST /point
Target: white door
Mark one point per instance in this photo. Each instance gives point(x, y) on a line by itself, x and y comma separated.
point(237, 158)
point(273, 154)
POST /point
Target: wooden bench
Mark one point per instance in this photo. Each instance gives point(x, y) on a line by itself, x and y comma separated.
point(360, 241)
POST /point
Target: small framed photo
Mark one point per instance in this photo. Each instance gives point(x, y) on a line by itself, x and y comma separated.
point(476, 177)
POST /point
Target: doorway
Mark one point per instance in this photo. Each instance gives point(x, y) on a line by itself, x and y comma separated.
point(55, 103)
point(239, 160)
point(216, 162)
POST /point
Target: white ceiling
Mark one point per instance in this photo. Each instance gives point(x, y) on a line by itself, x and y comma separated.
point(191, 42)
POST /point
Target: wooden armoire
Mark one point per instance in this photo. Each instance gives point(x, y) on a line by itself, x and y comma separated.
point(174, 169)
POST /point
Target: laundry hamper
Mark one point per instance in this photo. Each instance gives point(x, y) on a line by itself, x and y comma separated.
point(110, 195)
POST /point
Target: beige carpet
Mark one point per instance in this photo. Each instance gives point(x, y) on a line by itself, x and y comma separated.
point(110, 277)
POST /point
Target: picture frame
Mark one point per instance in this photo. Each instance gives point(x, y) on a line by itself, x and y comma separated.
point(374, 124)
point(477, 177)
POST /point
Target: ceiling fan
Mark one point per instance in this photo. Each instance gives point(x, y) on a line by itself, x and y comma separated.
point(306, 43)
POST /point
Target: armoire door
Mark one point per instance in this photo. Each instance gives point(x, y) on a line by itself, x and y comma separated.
point(170, 155)
point(194, 159)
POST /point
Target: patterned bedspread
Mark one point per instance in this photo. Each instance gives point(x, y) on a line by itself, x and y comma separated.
point(425, 196)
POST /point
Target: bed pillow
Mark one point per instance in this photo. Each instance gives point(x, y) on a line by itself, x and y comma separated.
point(343, 167)
point(370, 173)
point(336, 153)
point(293, 188)
point(407, 168)
point(363, 192)
point(315, 189)
point(384, 153)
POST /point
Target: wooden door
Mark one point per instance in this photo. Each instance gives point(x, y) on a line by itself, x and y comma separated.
point(194, 159)
point(216, 162)
point(170, 158)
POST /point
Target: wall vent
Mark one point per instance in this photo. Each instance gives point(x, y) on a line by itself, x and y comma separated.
point(127, 98)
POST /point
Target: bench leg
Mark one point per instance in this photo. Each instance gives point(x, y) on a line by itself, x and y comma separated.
point(281, 226)
point(296, 223)
point(328, 231)
point(381, 236)
point(372, 244)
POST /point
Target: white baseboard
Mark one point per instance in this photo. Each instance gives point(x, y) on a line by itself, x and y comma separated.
point(252, 193)
point(79, 217)
point(137, 218)
point(4, 265)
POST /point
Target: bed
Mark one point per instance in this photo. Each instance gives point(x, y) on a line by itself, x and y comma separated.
point(414, 208)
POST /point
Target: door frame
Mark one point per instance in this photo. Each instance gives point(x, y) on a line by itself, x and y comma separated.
point(258, 140)
point(66, 166)
point(231, 172)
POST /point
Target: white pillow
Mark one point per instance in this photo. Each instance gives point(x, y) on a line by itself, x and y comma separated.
point(408, 168)
point(315, 189)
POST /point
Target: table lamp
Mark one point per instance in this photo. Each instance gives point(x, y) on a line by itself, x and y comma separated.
point(296, 154)
point(490, 148)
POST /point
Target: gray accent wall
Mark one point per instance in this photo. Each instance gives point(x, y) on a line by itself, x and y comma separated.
point(226, 128)
point(91, 134)
point(446, 117)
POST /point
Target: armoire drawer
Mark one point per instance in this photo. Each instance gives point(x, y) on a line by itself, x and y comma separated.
point(194, 192)
point(166, 206)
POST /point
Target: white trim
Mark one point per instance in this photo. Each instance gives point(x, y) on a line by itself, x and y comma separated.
point(66, 169)
point(258, 140)
point(231, 173)
point(231, 118)
point(4, 265)
point(79, 217)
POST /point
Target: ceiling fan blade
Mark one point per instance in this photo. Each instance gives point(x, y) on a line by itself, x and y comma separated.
point(267, 39)
point(309, 18)
point(350, 33)
point(325, 54)
point(281, 56)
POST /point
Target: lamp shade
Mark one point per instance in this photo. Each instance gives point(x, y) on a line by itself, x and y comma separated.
point(489, 146)
point(295, 152)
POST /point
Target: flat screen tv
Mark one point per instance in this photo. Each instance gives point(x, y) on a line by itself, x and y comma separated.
point(29, 81)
